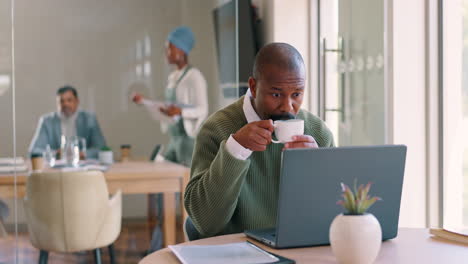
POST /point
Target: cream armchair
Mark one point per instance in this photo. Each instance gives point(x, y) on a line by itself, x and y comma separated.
point(71, 211)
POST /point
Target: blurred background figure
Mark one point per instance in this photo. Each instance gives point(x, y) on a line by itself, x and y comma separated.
point(182, 111)
point(68, 122)
point(185, 105)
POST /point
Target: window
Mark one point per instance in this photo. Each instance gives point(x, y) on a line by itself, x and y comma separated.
point(142, 56)
point(455, 112)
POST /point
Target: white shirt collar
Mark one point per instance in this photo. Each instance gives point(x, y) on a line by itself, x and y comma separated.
point(177, 72)
point(249, 111)
point(175, 75)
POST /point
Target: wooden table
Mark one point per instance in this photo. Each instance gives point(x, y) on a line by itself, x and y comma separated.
point(134, 177)
point(412, 245)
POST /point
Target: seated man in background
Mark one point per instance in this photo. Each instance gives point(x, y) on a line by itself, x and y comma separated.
point(68, 121)
point(235, 170)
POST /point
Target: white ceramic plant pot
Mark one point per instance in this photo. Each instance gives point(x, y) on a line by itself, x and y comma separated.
point(355, 239)
point(106, 157)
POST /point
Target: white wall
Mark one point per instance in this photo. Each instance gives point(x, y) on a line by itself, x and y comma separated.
point(408, 91)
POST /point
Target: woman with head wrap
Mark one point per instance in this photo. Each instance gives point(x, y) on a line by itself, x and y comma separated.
point(186, 104)
point(184, 108)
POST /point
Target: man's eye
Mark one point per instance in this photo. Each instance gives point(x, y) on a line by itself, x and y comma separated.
point(276, 95)
point(297, 94)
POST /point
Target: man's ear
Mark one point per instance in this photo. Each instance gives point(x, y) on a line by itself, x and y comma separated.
point(253, 86)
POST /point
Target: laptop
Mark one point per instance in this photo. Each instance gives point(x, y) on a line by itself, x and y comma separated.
point(310, 187)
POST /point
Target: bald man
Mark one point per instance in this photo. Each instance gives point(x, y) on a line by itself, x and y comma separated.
point(235, 170)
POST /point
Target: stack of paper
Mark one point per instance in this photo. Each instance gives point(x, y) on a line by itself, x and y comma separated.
point(11, 161)
point(83, 165)
point(234, 253)
point(10, 165)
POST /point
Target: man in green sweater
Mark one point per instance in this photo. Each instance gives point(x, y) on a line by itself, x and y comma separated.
point(236, 168)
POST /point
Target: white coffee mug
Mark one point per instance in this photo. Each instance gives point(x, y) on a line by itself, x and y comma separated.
point(286, 129)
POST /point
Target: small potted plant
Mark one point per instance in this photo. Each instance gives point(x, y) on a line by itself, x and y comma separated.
point(355, 235)
point(106, 156)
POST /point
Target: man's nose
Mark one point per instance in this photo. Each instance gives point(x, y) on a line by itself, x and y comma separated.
point(286, 105)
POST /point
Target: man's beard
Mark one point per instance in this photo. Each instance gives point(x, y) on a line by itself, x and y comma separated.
point(67, 112)
point(285, 116)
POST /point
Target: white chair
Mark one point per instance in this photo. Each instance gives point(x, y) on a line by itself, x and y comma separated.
point(70, 212)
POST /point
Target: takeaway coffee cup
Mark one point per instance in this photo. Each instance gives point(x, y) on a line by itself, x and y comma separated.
point(125, 151)
point(286, 129)
point(37, 163)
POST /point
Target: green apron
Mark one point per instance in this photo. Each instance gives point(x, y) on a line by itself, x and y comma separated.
point(180, 146)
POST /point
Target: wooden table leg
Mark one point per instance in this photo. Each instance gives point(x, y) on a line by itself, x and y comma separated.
point(169, 224)
point(3, 232)
point(152, 214)
point(185, 181)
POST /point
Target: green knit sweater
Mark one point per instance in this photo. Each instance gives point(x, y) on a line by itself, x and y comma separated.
point(227, 195)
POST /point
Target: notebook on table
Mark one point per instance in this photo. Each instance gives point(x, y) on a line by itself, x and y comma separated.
point(454, 234)
point(232, 253)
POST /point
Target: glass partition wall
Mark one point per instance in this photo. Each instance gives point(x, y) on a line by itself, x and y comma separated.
point(108, 51)
point(7, 138)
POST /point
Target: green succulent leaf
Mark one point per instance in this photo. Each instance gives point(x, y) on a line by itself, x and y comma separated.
point(356, 201)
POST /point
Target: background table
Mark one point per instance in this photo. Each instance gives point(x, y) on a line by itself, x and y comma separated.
point(411, 246)
point(133, 177)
